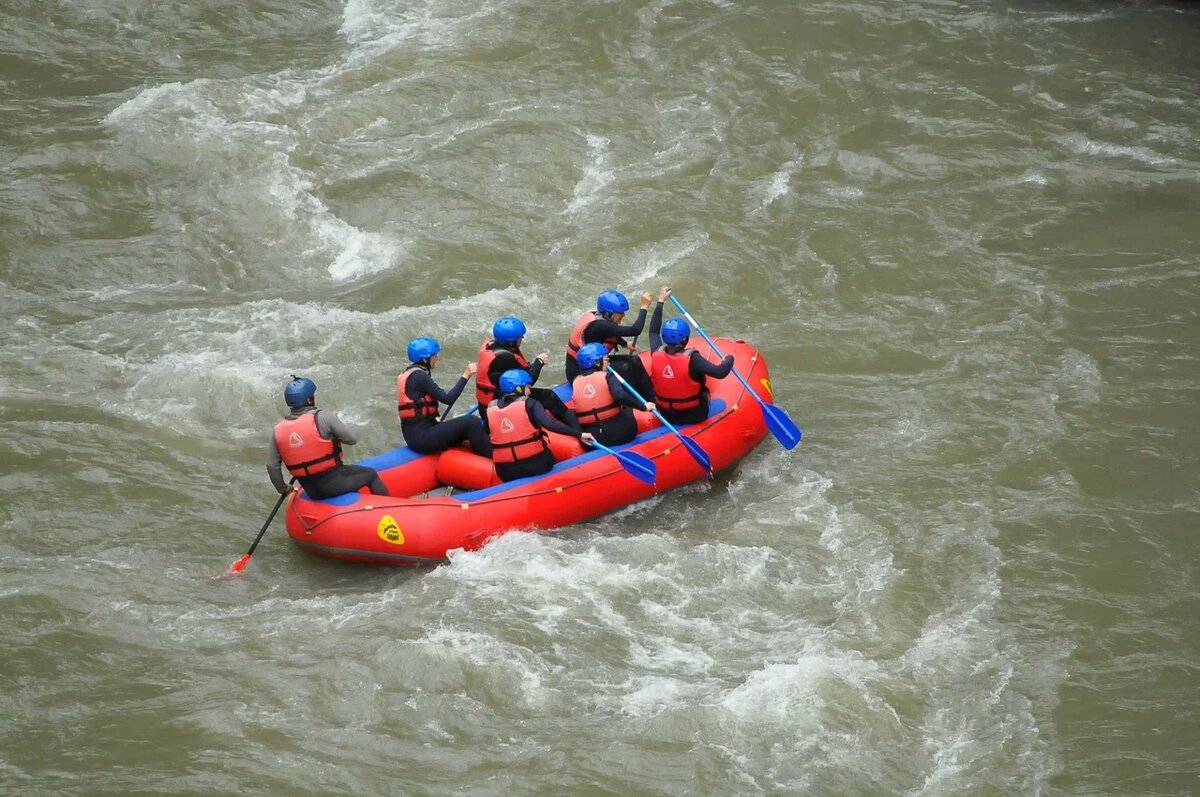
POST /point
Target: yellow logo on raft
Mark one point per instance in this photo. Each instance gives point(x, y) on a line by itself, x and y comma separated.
point(389, 531)
point(767, 384)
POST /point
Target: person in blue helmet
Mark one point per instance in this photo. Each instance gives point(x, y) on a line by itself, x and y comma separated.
point(677, 372)
point(602, 404)
point(501, 352)
point(417, 399)
point(603, 325)
point(309, 442)
point(516, 423)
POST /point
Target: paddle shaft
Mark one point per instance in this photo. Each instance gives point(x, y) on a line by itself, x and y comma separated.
point(240, 564)
point(692, 446)
point(704, 335)
point(270, 517)
point(784, 428)
point(635, 464)
point(632, 347)
point(474, 407)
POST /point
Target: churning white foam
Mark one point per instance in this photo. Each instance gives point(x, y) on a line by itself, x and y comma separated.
point(778, 184)
point(595, 176)
point(250, 128)
point(1082, 145)
point(376, 26)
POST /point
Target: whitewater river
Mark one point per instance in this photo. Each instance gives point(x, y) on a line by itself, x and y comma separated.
point(965, 236)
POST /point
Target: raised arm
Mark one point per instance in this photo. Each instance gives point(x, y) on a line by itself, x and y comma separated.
point(700, 365)
point(423, 384)
point(656, 320)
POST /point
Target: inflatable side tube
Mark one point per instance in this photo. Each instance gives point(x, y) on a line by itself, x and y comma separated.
point(466, 470)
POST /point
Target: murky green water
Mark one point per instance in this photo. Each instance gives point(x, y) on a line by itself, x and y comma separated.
point(963, 234)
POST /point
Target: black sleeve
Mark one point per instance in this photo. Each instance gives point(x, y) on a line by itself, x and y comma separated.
point(503, 361)
point(547, 421)
point(656, 327)
point(699, 366)
point(422, 384)
point(535, 369)
point(620, 394)
point(602, 329)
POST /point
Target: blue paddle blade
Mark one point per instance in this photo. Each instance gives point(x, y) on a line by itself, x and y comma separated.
point(639, 466)
point(698, 453)
point(635, 464)
point(785, 431)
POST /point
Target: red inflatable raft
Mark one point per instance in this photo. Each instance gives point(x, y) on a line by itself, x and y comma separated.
point(416, 526)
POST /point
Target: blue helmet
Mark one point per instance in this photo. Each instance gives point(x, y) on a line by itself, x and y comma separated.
point(509, 329)
point(591, 355)
point(299, 391)
point(514, 380)
point(422, 349)
point(675, 332)
point(612, 302)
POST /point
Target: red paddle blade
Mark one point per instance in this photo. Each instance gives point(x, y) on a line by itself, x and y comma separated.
point(239, 565)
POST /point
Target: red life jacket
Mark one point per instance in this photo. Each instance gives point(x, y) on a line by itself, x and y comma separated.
point(671, 375)
point(302, 449)
point(424, 407)
point(575, 342)
point(593, 399)
point(485, 391)
point(514, 435)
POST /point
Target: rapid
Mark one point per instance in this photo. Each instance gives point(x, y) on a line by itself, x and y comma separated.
point(963, 235)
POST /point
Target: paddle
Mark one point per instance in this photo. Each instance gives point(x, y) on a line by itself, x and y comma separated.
point(240, 564)
point(785, 431)
point(449, 406)
point(474, 407)
point(691, 445)
point(637, 465)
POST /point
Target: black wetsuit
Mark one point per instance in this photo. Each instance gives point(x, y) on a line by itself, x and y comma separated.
point(506, 360)
point(428, 435)
point(601, 330)
point(343, 479)
point(540, 463)
point(622, 427)
point(698, 368)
